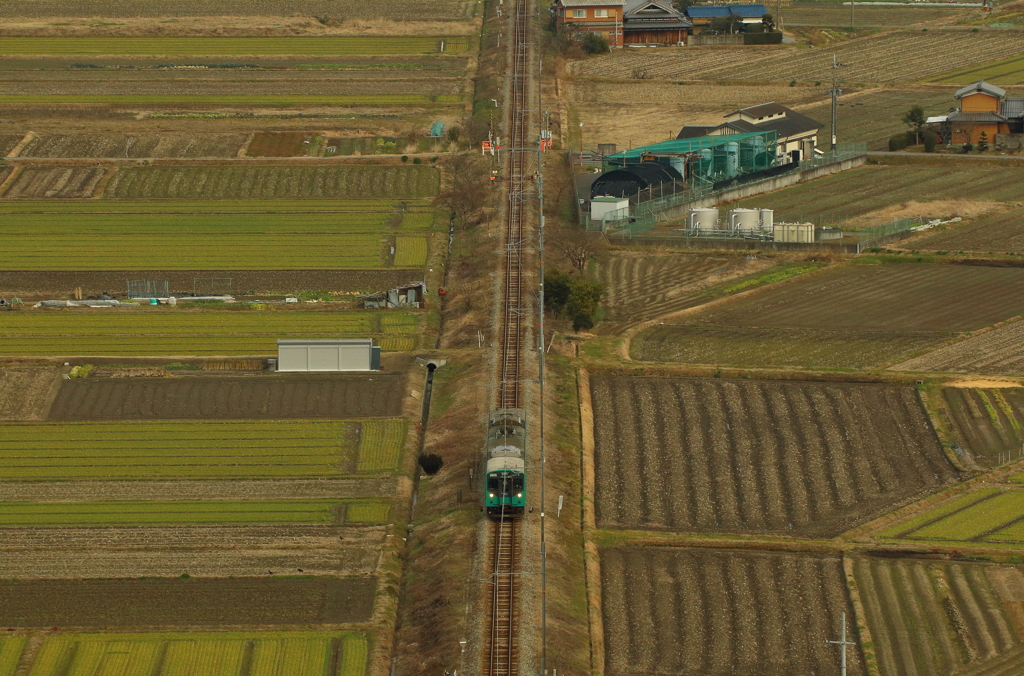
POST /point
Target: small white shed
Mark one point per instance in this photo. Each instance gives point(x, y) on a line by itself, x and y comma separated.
point(328, 354)
point(599, 206)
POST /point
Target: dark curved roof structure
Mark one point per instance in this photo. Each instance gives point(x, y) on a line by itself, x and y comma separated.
point(630, 180)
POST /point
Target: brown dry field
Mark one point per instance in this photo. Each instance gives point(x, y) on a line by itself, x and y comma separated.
point(275, 489)
point(986, 430)
point(210, 552)
point(639, 112)
point(995, 352)
point(60, 283)
point(25, 391)
point(230, 398)
point(721, 612)
point(36, 182)
point(932, 617)
point(185, 602)
point(641, 285)
point(854, 316)
point(785, 457)
point(8, 141)
point(134, 145)
point(995, 233)
point(342, 10)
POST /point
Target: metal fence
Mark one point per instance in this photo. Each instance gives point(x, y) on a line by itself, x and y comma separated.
point(147, 288)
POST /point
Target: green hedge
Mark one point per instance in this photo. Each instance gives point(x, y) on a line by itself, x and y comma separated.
point(762, 38)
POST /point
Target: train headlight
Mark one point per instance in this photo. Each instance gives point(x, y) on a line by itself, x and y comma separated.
point(519, 495)
point(491, 494)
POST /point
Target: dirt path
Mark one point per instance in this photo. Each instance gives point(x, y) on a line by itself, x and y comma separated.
point(592, 559)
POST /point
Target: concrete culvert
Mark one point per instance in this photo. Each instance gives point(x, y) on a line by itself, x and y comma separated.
point(431, 463)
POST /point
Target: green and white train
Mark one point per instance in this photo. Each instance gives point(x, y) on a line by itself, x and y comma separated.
point(506, 462)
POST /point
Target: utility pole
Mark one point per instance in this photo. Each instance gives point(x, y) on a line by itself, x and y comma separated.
point(851, 14)
point(842, 643)
point(834, 93)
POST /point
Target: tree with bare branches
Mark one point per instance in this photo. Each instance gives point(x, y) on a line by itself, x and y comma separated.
point(465, 188)
point(578, 247)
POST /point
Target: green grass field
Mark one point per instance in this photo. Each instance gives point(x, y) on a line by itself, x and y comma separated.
point(165, 331)
point(411, 207)
point(860, 191)
point(10, 652)
point(410, 252)
point(278, 653)
point(291, 100)
point(202, 46)
point(984, 516)
point(1003, 73)
point(274, 182)
point(198, 449)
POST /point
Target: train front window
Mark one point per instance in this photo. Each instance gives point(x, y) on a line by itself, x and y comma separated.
point(504, 484)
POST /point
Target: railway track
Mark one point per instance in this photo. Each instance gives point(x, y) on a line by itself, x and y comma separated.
point(503, 658)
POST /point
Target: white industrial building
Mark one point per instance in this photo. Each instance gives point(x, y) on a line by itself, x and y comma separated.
point(327, 354)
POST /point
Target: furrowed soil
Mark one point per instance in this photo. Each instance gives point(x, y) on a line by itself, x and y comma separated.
point(760, 456)
point(226, 398)
point(932, 617)
point(995, 352)
point(55, 182)
point(641, 285)
point(253, 551)
point(134, 145)
point(998, 232)
point(25, 391)
point(185, 602)
point(987, 421)
point(181, 282)
point(834, 318)
point(718, 613)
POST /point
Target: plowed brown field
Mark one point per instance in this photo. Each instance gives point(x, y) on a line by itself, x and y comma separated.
point(720, 613)
point(1003, 232)
point(929, 617)
point(134, 145)
point(996, 352)
point(55, 182)
point(24, 391)
point(185, 602)
point(227, 398)
point(777, 456)
point(198, 551)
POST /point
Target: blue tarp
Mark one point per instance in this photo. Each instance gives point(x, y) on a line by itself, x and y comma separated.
point(437, 129)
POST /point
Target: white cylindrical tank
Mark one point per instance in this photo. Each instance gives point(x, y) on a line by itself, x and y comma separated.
point(744, 219)
point(705, 218)
point(767, 219)
point(732, 159)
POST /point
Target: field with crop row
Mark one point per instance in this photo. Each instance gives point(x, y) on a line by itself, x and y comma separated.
point(222, 450)
point(410, 252)
point(874, 116)
point(849, 317)
point(409, 10)
point(895, 57)
point(54, 182)
point(227, 46)
point(1003, 73)
point(285, 100)
point(284, 182)
point(993, 516)
point(987, 422)
point(993, 352)
point(688, 612)
point(142, 604)
point(835, 14)
point(189, 207)
point(134, 145)
point(121, 226)
point(933, 617)
point(643, 285)
point(777, 456)
point(179, 332)
point(867, 189)
point(24, 391)
point(154, 513)
point(999, 233)
point(267, 654)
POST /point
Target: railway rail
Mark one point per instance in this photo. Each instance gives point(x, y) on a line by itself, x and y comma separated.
point(502, 657)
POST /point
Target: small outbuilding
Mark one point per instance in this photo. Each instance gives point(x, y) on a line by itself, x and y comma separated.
point(327, 354)
point(631, 179)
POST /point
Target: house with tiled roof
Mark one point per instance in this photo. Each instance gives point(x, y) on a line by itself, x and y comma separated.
point(796, 133)
point(982, 107)
point(642, 22)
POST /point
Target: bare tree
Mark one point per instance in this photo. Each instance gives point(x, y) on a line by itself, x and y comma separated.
point(464, 191)
point(578, 246)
